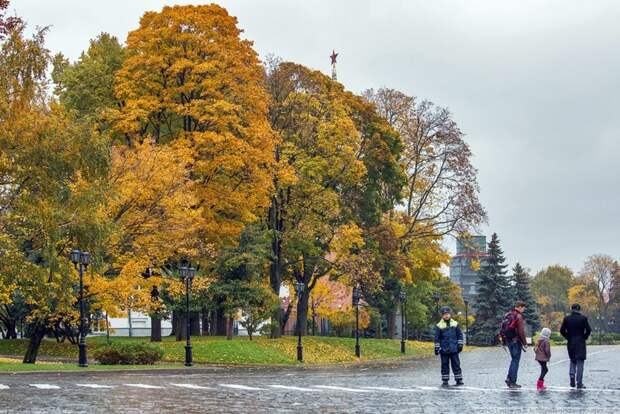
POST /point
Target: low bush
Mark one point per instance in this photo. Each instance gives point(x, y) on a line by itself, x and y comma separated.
point(128, 354)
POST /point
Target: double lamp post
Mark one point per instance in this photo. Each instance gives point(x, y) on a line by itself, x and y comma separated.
point(81, 260)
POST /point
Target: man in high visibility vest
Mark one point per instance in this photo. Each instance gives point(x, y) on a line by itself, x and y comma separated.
point(448, 344)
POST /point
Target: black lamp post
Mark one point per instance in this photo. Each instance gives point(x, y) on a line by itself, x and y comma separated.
point(357, 294)
point(187, 275)
point(300, 348)
point(403, 335)
point(466, 320)
point(80, 260)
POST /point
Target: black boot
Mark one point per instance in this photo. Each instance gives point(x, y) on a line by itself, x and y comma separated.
point(445, 383)
point(572, 382)
point(459, 382)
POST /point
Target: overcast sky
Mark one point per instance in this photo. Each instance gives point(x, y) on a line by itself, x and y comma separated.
point(535, 85)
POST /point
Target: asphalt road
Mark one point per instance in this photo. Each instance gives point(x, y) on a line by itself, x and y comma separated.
point(405, 387)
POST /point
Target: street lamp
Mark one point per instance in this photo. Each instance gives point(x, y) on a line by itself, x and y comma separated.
point(187, 275)
point(403, 299)
point(300, 348)
point(81, 260)
point(357, 294)
point(466, 320)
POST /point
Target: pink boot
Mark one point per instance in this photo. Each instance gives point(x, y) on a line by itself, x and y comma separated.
point(540, 385)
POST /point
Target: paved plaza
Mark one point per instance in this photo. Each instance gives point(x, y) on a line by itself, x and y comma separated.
point(404, 387)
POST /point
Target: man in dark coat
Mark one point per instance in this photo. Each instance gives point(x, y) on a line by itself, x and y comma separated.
point(576, 329)
point(448, 344)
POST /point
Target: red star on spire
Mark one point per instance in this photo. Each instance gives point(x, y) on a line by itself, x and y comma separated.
point(333, 56)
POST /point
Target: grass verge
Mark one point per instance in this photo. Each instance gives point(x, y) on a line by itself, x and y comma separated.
point(240, 350)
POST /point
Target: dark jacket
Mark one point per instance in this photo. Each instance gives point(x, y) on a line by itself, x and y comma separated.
point(576, 329)
point(448, 337)
point(520, 327)
point(542, 351)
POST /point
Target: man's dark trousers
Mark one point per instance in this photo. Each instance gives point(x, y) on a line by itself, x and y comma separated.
point(446, 361)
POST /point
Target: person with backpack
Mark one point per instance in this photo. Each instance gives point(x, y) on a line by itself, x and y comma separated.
point(576, 329)
point(543, 356)
point(448, 344)
point(512, 333)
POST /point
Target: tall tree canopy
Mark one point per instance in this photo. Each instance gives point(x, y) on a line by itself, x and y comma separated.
point(87, 86)
point(440, 195)
point(53, 170)
point(550, 288)
point(189, 81)
point(337, 172)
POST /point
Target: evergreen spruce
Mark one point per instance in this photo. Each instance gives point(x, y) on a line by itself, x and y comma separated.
point(494, 297)
point(523, 292)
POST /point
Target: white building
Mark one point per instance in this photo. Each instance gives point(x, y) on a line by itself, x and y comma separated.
point(133, 324)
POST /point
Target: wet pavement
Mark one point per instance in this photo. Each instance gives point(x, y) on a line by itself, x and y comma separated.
point(406, 387)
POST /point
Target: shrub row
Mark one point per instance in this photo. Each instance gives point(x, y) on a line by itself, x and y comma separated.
point(128, 354)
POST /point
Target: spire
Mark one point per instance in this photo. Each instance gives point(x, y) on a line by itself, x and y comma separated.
point(333, 57)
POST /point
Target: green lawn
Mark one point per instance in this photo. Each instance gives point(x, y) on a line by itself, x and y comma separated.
point(240, 350)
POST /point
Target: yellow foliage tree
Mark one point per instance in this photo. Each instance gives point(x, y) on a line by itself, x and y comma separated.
point(189, 81)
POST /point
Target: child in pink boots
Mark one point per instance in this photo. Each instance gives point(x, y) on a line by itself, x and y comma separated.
point(543, 355)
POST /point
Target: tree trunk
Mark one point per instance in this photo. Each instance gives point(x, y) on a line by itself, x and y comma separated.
point(391, 324)
point(155, 328)
point(194, 322)
point(36, 336)
point(205, 322)
point(378, 329)
point(213, 324)
point(302, 313)
point(276, 225)
point(313, 321)
point(221, 323)
point(174, 323)
point(229, 328)
point(181, 328)
point(11, 329)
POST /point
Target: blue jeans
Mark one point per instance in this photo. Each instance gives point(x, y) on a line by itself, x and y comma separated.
point(576, 370)
point(515, 358)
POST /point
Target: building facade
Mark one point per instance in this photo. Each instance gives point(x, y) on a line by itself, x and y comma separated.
point(465, 266)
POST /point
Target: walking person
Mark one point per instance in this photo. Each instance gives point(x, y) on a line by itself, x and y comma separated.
point(576, 329)
point(543, 355)
point(448, 344)
point(512, 333)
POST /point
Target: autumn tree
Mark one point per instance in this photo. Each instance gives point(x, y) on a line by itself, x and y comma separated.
point(53, 172)
point(599, 271)
point(336, 170)
point(441, 190)
point(550, 287)
point(584, 293)
point(190, 90)
point(441, 194)
point(87, 85)
point(7, 24)
point(189, 81)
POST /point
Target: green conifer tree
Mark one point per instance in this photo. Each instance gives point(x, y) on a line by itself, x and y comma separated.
point(523, 293)
point(494, 297)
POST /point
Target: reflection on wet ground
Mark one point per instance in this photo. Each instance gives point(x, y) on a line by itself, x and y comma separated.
point(404, 387)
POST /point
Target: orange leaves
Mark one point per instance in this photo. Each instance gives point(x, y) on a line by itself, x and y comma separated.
point(190, 82)
point(151, 203)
